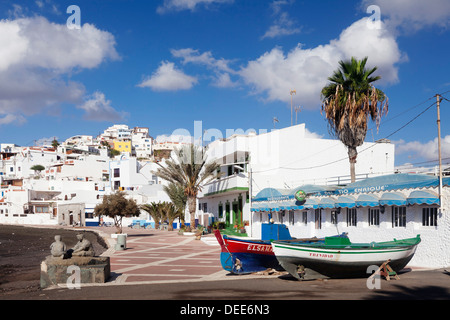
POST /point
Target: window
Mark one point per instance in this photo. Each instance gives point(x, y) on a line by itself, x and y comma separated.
point(220, 211)
point(398, 217)
point(429, 217)
point(116, 172)
point(318, 218)
point(291, 217)
point(334, 217)
point(351, 217)
point(42, 209)
point(305, 217)
point(374, 217)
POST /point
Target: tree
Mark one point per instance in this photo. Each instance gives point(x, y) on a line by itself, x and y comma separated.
point(55, 144)
point(175, 191)
point(116, 206)
point(113, 153)
point(191, 171)
point(348, 101)
point(170, 212)
point(37, 168)
point(154, 209)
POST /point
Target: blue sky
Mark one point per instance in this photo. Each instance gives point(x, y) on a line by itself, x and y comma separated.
point(231, 64)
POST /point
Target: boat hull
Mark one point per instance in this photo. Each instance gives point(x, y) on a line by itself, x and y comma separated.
point(244, 256)
point(340, 262)
point(247, 256)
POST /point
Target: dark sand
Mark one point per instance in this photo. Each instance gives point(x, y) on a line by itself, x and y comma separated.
point(22, 249)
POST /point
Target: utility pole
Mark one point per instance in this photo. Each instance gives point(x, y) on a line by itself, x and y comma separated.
point(292, 92)
point(438, 102)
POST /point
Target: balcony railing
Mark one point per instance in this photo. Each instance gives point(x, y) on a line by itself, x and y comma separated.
point(233, 183)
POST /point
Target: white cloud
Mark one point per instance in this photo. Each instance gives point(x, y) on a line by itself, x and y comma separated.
point(223, 80)
point(284, 24)
point(97, 108)
point(12, 118)
point(178, 5)
point(46, 141)
point(190, 55)
point(174, 138)
point(306, 69)
point(37, 58)
point(426, 150)
point(221, 67)
point(411, 15)
point(168, 78)
point(312, 135)
point(54, 46)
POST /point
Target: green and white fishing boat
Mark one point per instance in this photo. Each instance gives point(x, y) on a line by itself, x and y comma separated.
point(339, 258)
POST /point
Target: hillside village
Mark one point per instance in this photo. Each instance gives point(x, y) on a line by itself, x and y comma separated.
point(62, 182)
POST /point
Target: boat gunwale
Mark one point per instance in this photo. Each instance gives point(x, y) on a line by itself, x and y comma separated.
point(400, 245)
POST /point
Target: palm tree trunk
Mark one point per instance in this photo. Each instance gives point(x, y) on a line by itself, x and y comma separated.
point(352, 154)
point(192, 203)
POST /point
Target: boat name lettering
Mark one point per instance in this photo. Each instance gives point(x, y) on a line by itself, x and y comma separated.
point(253, 247)
point(321, 255)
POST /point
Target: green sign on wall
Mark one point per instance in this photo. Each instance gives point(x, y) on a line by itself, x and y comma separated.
point(300, 195)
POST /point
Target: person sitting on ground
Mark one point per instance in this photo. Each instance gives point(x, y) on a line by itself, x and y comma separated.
point(83, 248)
point(58, 248)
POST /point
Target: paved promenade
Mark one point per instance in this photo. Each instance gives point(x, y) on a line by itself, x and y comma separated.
point(156, 256)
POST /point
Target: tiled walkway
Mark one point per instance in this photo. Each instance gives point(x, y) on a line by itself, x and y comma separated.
point(155, 256)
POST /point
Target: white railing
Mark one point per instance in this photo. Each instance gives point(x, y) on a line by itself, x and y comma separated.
point(237, 180)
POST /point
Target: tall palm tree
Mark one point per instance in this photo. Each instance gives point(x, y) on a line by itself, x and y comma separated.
point(348, 101)
point(191, 170)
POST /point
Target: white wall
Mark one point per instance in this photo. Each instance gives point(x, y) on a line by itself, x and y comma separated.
point(432, 252)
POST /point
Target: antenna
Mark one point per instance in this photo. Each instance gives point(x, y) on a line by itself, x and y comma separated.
point(292, 92)
point(297, 109)
point(274, 120)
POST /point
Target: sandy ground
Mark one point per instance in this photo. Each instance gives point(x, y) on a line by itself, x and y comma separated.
point(22, 249)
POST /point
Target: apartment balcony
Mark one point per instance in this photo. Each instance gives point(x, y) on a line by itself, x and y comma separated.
point(235, 183)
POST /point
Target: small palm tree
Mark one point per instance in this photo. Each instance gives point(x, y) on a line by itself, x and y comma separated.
point(348, 101)
point(175, 191)
point(170, 212)
point(191, 170)
point(154, 209)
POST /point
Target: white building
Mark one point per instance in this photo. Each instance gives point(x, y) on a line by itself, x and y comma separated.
point(375, 209)
point(142, 143)
point(39, 198)
point(116, 132)
point(283, 158)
